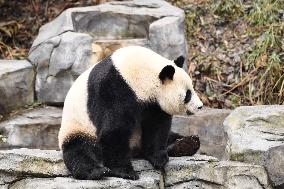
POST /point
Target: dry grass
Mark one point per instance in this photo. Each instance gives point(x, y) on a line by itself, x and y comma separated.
point(253, 29)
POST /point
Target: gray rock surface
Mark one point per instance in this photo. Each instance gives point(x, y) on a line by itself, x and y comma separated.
point(253, 136)
point(274, 164)
point(36, 128)
point(208, 125)
point(6, 178)
point(167, 37)
point(16, 84)
point(79, 38)
point(33, 162)
point(59, 61)
point(252, 130)
point(147, 180)
point(27, 168)
point(207, 172)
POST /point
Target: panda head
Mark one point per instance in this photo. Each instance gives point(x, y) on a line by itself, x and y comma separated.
point(176, 94)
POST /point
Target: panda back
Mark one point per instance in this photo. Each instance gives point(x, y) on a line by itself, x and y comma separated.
point(75, 118)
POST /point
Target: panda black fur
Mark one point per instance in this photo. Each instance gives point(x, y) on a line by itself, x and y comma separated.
point(124, 104)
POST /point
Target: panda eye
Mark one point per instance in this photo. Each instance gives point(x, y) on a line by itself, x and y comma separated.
point(187, 96)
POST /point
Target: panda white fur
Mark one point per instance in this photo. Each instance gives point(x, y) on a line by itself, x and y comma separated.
point(122, 104)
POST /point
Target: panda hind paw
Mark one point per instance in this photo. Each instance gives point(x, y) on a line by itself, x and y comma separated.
point(99, 173)
point(124, 173)
point(159, 159)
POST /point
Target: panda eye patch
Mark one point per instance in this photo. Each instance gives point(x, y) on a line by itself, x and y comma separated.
point(187, 96)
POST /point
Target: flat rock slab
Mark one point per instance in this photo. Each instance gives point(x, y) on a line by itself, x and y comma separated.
point(34, 162)
point(27, 168)
point(147, 180)
point(207, 172)
point(82, 36)
point(36, 128)
point(208, 125)
point(252, 132)
point(16, 84)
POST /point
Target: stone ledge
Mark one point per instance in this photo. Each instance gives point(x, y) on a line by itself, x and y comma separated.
point(34, 162)
point(36, 128)
point(28, 168)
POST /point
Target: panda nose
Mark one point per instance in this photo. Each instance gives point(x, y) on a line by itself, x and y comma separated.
point(200, 107)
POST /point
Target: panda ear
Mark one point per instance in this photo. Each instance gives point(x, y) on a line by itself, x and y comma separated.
point(167, 73)
point(179, 61)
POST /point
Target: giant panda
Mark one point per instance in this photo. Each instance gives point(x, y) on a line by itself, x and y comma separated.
point(124, 104)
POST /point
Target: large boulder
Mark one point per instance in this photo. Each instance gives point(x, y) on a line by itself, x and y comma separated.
point(82, 36)
point(208, 125)
point(16, 84)
point(255, 135)
point(36, 128)
point(27, 168)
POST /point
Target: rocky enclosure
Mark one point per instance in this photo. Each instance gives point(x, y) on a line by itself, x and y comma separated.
point(240, 149)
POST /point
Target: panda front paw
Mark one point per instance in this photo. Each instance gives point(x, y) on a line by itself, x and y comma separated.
point(158, 159)
point(125, 173)
point(186, 146)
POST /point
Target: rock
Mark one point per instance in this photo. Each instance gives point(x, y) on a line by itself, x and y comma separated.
point(16, 84)
point(195, 185)
point(33, 162)
point(274, 163)
point(18, 164)
point(82, 36)
point(253, 136)
point(202, 171)
point(32, 168)
point(167, 37)
point(208, 125)
point(59, 62)
point(253, 130)
point(147, 180)
point(6, 178)
point(36, 128)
